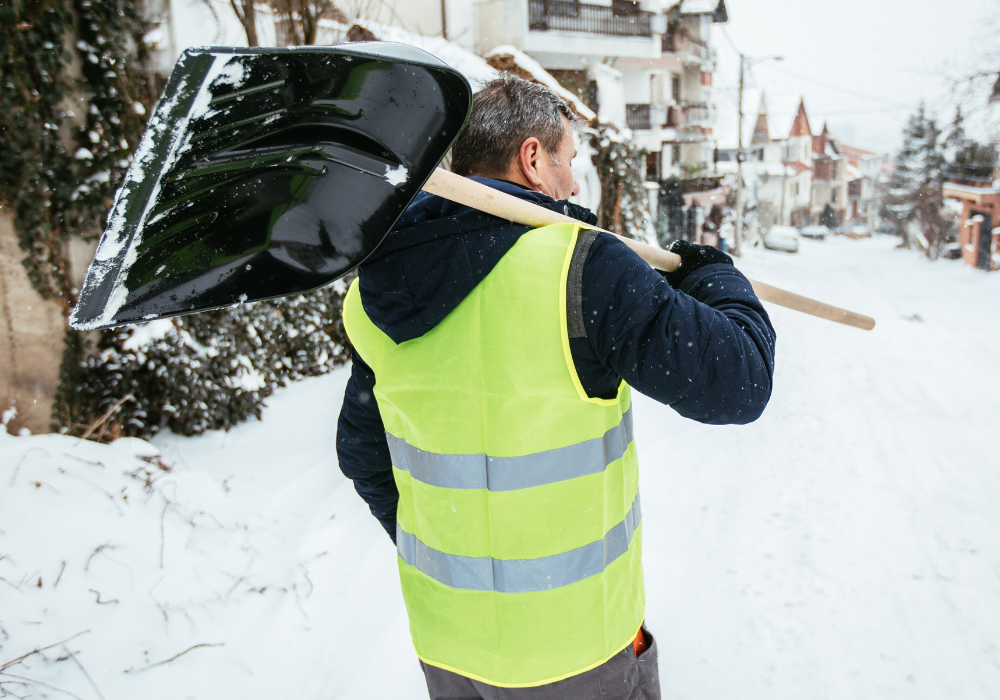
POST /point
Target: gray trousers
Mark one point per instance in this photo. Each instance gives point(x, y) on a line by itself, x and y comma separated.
point(622, 677)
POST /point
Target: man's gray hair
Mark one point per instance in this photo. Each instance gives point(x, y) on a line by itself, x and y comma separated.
point(505, 112)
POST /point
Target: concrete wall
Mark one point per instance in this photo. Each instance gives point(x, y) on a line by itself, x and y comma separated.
point(31, 340)
point(502, 22)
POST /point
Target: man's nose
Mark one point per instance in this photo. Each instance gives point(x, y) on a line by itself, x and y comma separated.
point(576, 188)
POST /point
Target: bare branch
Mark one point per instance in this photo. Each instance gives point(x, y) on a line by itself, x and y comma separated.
point(102, 602)
point(12, 585)
point(14, 662)
point(100, 548)
point(107, 414)
point(24, 457)
point(177, 656)
point(32, 680)
point(77, 662)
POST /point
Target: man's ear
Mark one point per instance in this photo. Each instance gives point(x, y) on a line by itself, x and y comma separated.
point(527, 160)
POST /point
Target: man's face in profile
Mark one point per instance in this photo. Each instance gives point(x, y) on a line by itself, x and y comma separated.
point(557, 173)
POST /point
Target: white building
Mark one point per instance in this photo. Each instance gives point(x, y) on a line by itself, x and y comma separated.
point(645, 65)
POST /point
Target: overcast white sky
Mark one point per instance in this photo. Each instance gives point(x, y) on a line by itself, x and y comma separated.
point(888, 53)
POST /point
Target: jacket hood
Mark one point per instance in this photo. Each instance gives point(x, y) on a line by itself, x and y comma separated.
point(435, 256)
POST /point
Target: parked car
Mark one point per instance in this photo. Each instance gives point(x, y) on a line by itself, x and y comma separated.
point(860, 230)
point(783, 238)
point(818, 233)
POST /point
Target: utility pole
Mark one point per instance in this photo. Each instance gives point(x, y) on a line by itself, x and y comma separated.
point(784, 186)
point(740, 157)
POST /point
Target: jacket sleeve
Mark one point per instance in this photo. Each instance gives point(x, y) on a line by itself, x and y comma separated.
point(707, 349)
point(362, 449)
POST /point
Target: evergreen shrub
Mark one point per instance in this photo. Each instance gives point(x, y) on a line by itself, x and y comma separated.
point(206, 371)
point(621, 166)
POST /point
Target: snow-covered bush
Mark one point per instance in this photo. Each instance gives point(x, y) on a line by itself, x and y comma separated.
point(201, 372)
point(621, 167)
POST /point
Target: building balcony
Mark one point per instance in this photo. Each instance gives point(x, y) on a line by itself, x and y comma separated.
point(643, 117)
point(689, 49)
point(697, 114)
point(569, 16)
point(971, 175)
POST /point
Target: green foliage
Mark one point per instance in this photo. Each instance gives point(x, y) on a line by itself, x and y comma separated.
point(62, 160)
point(73, 101)
point(621, 168)
point(915, 191)
point(206, 371)
point(964, 151)
point(829, 218)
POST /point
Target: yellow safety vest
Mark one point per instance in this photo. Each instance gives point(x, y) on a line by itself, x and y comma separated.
point(518, 525)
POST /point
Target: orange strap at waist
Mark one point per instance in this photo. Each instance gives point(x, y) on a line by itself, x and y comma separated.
point(639, 643)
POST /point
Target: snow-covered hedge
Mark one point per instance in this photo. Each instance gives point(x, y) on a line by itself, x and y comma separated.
point(621, 167)
point(201, 372)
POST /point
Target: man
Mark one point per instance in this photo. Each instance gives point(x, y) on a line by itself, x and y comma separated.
point(488, 418)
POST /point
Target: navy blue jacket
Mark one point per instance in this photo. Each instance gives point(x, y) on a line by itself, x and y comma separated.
point(706, 349)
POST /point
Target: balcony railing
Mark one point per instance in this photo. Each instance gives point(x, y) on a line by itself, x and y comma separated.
point(696, 112)
point(971, 175)
point(645, 116)
point(569, 16)
point(688, 47)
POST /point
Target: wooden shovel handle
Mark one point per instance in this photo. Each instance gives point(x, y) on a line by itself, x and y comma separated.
point(478, 196)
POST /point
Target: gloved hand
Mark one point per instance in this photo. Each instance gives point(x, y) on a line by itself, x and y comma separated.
point(693, 256)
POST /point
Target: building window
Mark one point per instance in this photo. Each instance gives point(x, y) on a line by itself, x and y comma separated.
point(675, 153)
point(675, 88)
point(656, 88)
point(833, 196)
point(624, 8)
point(564, 8)
point(652, 172)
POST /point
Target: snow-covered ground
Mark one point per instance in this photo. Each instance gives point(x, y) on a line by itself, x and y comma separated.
point(847, 545)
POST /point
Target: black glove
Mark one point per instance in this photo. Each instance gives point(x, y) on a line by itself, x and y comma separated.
point(693, 256)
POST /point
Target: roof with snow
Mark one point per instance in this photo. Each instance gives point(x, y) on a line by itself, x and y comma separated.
point(855, 153)
point(534, 68)
point(783, 115)
point(772, 169)
point(716, 8)
point(800, 126)
point(473, 67)
point(798, 167)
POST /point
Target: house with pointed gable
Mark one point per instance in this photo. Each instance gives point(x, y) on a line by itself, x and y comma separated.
point(830, 177)
point(779, 165)
point(846, 178)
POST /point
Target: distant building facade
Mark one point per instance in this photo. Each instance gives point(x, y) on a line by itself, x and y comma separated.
point(794, 174)
point(978, 189)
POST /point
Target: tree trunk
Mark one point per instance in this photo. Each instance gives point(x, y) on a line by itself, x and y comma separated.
point(247, 16)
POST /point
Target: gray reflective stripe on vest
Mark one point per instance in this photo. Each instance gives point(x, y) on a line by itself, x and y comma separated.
point(479, 471)
point(520, 575)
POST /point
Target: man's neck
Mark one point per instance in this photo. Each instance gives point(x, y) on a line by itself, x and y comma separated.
point(510, 179)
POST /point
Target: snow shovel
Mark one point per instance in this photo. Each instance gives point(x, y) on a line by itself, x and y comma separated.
point(270, 172)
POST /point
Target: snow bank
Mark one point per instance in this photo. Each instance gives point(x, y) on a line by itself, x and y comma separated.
point(246, 566)
point(527, 63)
point(844, 546)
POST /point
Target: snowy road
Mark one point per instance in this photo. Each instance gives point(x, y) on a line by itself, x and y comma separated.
point(845, 546)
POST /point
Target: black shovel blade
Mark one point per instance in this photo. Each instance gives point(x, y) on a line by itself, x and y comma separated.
point(269, 172)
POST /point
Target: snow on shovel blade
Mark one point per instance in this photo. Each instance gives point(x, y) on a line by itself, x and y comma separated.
point(269, 172)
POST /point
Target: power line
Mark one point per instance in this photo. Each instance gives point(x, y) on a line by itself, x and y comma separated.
point(830, 86)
